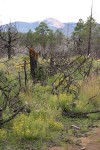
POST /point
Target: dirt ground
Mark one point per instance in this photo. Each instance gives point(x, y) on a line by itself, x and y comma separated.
point(91, 142)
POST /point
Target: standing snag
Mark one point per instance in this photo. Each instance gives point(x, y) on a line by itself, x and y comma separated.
point(33, 61)
point(8, 37)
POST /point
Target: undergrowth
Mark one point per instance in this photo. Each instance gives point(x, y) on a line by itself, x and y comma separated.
point(45, 125)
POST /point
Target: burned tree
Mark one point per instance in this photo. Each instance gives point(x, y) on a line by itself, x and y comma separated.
point(10, 103)
point(33, 61)
point(66, 82)
point(8, 37)
point(33, 55)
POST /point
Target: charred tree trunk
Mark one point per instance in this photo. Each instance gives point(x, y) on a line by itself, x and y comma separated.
point(33, 62)
point(33, 66)
point(1, 115)
point(9, 52)
point(25, 74)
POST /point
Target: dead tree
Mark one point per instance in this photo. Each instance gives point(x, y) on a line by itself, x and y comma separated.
point(90, 34)
point(10, 103)
point(33, 62)
point(33, 55)
point(8, 37)
point(66, 82)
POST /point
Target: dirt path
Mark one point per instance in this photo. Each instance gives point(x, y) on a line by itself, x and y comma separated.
point(91, 142)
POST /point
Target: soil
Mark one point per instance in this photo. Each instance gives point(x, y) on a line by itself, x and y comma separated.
point(91, 142)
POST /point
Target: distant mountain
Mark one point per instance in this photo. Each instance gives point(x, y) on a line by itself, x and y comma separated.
point(53, 23)
point(66, 28)
point(24, 27)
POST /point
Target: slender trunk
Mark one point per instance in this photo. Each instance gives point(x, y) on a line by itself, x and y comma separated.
point(25, 73)
point(89, 40)
point(9, 52)
point(1, 115)
point(90, 32)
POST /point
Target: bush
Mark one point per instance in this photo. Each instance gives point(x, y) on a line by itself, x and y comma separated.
point(3, 134)
point(41, 73)
point(65, 101)
point(35, 126)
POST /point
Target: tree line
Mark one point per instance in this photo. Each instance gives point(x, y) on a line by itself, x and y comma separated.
point(84, 39)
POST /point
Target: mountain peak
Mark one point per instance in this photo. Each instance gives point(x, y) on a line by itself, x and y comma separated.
point(54, 22)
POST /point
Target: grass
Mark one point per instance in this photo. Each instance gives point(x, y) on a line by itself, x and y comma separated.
point(45, 125)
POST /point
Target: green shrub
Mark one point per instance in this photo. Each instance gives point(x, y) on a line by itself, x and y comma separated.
point(37, 125)
point(41, 73)
point(65, 101)
point(3, 134)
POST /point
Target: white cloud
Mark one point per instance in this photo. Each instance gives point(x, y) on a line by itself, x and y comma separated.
point(33, 10)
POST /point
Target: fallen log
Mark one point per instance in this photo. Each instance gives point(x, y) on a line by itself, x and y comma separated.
point(73, 114)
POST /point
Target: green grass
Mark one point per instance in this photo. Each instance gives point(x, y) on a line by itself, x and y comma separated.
point(45, 125)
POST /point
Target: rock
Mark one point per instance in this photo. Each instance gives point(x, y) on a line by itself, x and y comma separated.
point(83, 148)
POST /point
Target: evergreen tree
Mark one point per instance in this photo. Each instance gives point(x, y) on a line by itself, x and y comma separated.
point(41, 34)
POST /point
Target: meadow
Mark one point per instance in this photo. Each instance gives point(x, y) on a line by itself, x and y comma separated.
point(45, 121)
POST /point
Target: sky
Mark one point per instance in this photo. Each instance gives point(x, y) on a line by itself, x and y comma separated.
point(37, 10)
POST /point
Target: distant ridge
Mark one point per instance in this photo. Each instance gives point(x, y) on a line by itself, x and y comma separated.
point(53, 24)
